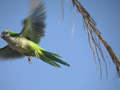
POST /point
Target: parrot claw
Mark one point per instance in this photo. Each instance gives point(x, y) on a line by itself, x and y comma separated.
point(30, 60)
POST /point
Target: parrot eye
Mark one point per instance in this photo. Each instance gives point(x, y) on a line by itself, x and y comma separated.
point(5, 33)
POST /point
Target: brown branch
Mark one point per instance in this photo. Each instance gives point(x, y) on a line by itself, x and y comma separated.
point(91, 28)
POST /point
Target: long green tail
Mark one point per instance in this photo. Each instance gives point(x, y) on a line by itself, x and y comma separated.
point(52, 59)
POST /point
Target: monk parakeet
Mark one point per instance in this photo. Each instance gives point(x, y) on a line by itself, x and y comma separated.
point(26, 43)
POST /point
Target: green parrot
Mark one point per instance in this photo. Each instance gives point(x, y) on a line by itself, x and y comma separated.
point(26, 43)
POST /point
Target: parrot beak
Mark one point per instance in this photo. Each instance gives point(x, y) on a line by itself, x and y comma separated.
point(2, 36)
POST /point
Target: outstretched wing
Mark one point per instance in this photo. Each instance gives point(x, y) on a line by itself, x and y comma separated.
point(7, 53)
point(35, 23)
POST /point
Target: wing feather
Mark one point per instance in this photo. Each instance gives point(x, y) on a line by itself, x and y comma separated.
point(35, 23)
point(8, 53)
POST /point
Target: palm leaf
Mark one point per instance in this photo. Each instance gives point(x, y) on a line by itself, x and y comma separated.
point(94, 36)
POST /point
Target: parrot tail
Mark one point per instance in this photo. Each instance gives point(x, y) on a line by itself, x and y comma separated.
point(52, 58)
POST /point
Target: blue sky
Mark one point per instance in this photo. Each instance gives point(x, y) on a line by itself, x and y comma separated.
point(19, 75)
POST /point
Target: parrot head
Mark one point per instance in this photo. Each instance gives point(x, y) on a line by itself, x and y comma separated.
point(7, 34)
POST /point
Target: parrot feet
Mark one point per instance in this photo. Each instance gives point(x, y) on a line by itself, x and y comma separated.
point(30, 59)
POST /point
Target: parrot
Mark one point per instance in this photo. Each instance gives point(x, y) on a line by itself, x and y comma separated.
point(25, 43)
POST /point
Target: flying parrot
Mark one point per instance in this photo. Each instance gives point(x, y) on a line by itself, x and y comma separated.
point(26, 42)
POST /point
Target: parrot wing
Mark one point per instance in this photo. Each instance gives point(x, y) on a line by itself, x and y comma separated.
point(7, 53)
point(34, 24)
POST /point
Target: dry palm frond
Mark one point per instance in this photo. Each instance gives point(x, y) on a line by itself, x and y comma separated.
point(94, 37)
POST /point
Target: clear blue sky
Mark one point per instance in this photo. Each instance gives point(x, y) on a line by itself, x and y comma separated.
point(82, 75)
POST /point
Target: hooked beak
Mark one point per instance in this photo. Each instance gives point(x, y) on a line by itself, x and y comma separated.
point(2, 36)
